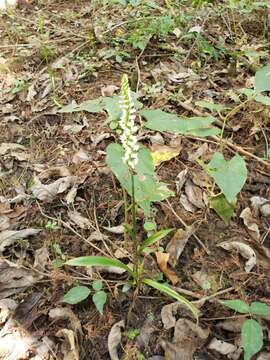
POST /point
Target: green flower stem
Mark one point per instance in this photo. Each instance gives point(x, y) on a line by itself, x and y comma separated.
point(134, 227)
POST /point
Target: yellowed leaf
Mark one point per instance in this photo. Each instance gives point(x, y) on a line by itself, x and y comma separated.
point(161, 153)
point(162, 260)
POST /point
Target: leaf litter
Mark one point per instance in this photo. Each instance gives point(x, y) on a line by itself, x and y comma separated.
point(52, 167)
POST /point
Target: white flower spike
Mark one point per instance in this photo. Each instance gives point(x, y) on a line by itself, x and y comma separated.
point(127, 124)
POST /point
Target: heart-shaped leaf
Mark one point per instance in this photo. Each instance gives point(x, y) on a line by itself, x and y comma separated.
point(230, 175)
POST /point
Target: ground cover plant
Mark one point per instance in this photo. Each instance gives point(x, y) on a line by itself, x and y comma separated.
point(134, 177)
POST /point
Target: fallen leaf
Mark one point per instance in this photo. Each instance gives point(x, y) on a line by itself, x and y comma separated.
point(79, 220)
point(42, 258)
point(120, 229)
point(55, 171)
point(181, 179)
point(8, 237)
point(245, 250)
point(97, 236)
point(69, 348)
point(188, 337)
point(4, 222)
point(234, 325)
point(201, 277)
point(162, 153)
point(80, 156)
point(6, 147)
point(221, 347)
point(14, 279)
point(177, 244)
point(168, 313)
point(202, 150)
point(162, 260)
point(47, 193)
point(96, 139)
point(7, 307)
point(108, 90)
point(114, 339)
point(142, 340)
point(187, 204)
point(264, 356)
point(26, 312)
point(194, 194)
point(64, 313)
point(250, 223)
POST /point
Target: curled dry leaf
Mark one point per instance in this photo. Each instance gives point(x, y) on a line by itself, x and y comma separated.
point(4, 222)
point(194, 194)
point(79, 220)
point(114, 339)
point(108, 90)
point(64, 313)
point(250, 223)
point(168, 313)
point(8, 237)
point(245, 250)
point(120, 229)
point(188, 337)
point(234, 325)
point(262, 204)
point(7, 307)
point(162, 260)
point(47, 193)
point(14, 279)
point(41, 258)
point(55, 171)
point(69, 348)
point(181, 179)
point(96, 139)
point(200, 152)
point(177, 244)
point(80, 156)
point(221, 347)
point(264, 356)
point(187, 204)
point(97, 236)
point(8, 147)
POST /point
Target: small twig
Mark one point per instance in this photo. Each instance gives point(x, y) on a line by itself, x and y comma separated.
point(221, 292)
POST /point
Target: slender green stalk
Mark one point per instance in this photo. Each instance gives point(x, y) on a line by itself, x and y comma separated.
point(134, 227)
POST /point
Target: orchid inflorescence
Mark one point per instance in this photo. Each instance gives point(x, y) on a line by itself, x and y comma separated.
point(127, 123)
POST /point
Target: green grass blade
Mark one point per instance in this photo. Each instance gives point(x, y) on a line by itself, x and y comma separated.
point(154, 238)
point(99, 261)
point(172, 293)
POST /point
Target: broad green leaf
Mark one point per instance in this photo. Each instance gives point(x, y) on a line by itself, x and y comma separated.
point(76, 295)
point(161, 121)
point(265, 100)
point(222, 207)
point(262, 79)
point(252, 338)
point(248, 92)
point(237, 305)
point(211, 131)
point(230, 175)
point(99, 299)
point(149, 226)
point(97, 285)
point(173, 294)
point(98, 261)
point(154, 238)
point(147, 189)
point(210, 106)
point(111, 105)
point(258, 308)
point(93, 106)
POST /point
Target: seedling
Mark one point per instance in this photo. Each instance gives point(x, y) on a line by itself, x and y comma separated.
point(251, 332)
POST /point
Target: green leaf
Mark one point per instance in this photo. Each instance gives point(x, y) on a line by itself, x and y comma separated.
point(98, 261)
point(237, 305)
point(265, 100)
point(93, 106)
point(133, 333)
point(262, 79)
point(76, 295)
point(154, 238)
point(210, 106)
point(99, 299)
point(147, 189)
point(149, 226)
point(173, 294)
point(97, 285)
point(222, 207)
point(230, 175)
point(252, 338)
point(161, 121)
point(258, 308)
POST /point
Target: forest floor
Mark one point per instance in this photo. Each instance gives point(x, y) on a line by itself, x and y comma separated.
point(59, 199)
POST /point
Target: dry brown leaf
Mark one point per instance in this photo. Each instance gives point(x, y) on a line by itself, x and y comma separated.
point(202, 150)
point(120, 229)
point(64, 313)
point(250, 223)
point(221, 347)
point(109, 90)
point(55, 171)
point(188, 337)
point(264, 356)
point(181, 179)
point(114, 339)
point(187, 204)
point(80, 156)
point(168, 313)
point(97, 236)
point(162, 260)
point(245, 250)
point(144, 337)
point(161, 153)
point(177, 244)
point(96, 139)
point(7, 147)
point(47, 193)
point(234, 325)
point(42, 258)
point(79, 220)
point(7, 307)
point(14, 279)
point(194, 194)
point(4, 222)
point(8, 237)
point(69, 348)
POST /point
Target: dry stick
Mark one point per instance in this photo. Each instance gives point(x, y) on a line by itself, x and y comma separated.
point(221, 292)
point(169, 206)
